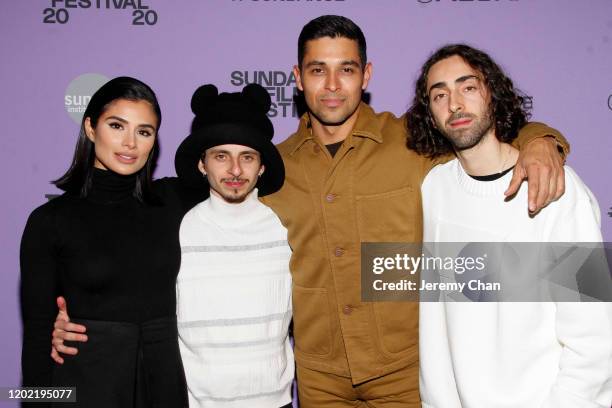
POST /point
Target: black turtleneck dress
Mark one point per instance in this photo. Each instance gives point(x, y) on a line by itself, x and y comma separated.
point(115, 260)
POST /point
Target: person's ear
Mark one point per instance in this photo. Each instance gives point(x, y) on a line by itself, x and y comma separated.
point(367, 75)
point(89, 130)
point(298, 77)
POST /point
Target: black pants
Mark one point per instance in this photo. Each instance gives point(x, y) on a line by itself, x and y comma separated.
point(126, 365)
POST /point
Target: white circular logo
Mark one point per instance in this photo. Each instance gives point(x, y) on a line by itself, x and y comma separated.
point(79, 92)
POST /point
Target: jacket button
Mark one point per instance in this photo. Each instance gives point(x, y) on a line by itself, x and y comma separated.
point(339, 252)
point(347, 310)
point(316, 148)
point(330, 198)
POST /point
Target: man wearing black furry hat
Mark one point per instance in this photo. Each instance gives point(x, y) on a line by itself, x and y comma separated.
point(234, 286)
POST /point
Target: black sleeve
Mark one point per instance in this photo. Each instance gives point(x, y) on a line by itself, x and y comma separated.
point(188, 195)
point(39, 288)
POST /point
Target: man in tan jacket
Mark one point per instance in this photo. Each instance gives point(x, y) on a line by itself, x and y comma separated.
point(350, 179)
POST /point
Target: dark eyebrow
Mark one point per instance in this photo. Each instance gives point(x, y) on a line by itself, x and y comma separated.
point(117, 118)
point(351, 63)
point(459, 80)
point(437, 85)
point(313, 63)
point(465, 78)
point(146, 125)
point(321, 63)
point(213, 150)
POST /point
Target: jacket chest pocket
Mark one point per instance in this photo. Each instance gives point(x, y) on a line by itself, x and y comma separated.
point(393, 216)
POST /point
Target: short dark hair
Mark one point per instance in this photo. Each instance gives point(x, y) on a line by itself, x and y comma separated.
point(78, 178)
point(507, 103)
point(332, 26)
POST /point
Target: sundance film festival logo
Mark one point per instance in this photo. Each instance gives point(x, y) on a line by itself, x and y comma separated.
point(464, 1)
point(279, 84)
point(79, 92)
point(59, 12)
point(288, 1)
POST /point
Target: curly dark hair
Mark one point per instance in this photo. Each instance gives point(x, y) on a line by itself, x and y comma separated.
point(507, 103)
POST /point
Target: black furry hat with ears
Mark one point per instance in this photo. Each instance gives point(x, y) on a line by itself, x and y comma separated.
point(231, 118)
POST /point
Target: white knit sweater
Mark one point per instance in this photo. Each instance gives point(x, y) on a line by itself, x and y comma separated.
point(514, 355)
point(234, 305)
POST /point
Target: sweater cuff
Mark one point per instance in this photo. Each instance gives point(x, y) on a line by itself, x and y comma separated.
point(534, 130)
point(562, 398)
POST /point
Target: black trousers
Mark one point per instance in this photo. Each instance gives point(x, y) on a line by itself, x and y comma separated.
point(126, 365)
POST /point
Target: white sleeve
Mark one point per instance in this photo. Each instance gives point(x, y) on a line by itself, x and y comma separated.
point(580, 217)
point(583, 329)
point(585, 332)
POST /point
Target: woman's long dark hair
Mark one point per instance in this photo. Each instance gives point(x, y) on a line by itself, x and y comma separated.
point(78, 178)
point(507, 103)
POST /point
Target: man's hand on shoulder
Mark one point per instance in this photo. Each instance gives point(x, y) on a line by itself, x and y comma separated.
point(541, 164)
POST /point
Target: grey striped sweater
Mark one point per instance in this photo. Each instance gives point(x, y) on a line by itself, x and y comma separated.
point(234, 305)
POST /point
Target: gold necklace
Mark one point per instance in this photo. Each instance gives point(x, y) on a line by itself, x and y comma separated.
point(505, 160)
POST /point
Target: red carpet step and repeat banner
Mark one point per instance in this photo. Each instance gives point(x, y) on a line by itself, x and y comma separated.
point(55, 53)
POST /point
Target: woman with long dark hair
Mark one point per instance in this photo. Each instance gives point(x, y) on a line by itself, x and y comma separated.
point(110, 246)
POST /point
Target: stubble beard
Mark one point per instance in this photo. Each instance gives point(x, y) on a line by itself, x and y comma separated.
point(332, 118)
point(327, 120)
point(236, 197)
point(463, 139)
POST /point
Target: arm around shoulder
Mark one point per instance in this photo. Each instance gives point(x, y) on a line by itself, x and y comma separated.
point(535, 130)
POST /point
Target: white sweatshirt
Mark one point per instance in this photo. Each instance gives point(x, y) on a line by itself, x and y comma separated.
point(234, 305)
point(514, 355)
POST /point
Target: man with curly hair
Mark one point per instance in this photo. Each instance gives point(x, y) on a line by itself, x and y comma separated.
point(499, 354)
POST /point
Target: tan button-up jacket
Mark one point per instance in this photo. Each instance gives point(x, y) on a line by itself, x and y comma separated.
point(368, 192)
